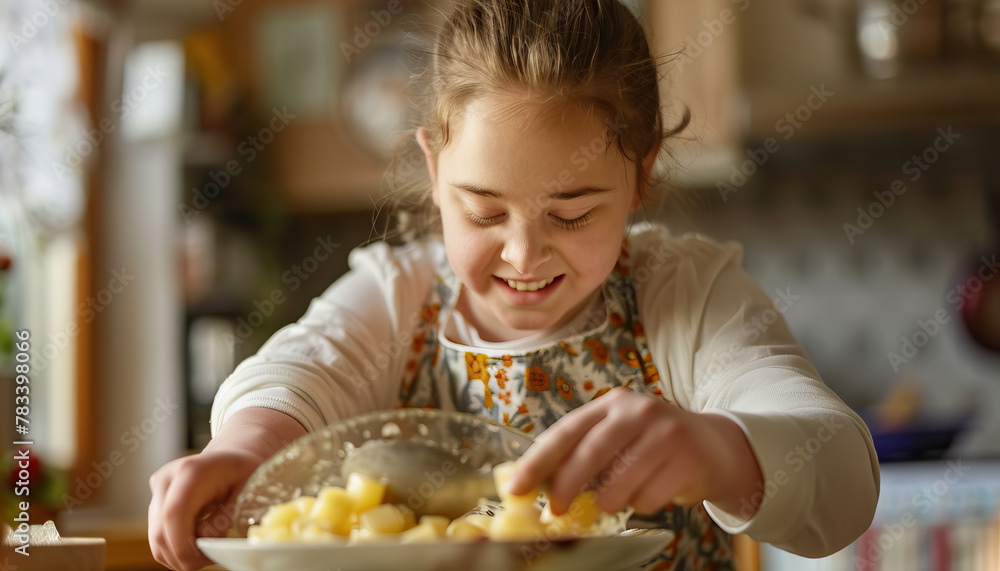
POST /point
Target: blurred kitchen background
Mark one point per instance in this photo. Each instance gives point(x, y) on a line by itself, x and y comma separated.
point(178, 178)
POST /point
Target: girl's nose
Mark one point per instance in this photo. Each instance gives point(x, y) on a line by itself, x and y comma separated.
point(526, 251)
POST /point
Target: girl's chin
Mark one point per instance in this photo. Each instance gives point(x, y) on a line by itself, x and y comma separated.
point(519, 325)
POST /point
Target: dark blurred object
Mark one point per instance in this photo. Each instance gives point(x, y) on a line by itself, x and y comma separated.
point(972, 28)
point(891, 37)
point(980, 307)
point(921, 439)
point(899, 434)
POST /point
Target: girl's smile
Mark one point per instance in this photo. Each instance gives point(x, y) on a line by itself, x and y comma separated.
point(529, 292)
point(531, 234)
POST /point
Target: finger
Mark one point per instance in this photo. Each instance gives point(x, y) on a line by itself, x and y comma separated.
point(187, 495)
point(591, 458)
point(216, 522)
point(661, 488)
point(630, 469)
point(547, 452)
point(158, 484)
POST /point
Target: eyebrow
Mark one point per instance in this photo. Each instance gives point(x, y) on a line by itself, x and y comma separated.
point(562, 195)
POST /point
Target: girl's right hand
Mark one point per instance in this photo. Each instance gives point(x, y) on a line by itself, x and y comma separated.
point(194, 497)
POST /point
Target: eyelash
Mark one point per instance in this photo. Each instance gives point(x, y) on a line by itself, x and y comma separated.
point(574, 224)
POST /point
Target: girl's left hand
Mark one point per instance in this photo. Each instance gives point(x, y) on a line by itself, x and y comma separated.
point(644, 452)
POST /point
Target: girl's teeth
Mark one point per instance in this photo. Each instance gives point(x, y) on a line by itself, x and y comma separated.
point(529, 286)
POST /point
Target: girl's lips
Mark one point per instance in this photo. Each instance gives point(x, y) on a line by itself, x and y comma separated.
point(524, 297)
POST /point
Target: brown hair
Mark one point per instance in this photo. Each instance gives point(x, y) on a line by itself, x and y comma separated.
point(590, 51)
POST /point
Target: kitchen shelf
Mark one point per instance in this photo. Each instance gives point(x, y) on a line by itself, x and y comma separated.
point(935, 99)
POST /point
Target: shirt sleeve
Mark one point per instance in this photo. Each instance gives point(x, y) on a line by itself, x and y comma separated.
point(344, 355)
point(725, 348)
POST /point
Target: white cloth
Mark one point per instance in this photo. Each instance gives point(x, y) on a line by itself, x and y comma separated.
point(716, 338)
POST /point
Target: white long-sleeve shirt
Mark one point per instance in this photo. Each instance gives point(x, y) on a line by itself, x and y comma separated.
point(718, 341)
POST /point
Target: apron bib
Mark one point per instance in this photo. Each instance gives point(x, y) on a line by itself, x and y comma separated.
point(530, 390)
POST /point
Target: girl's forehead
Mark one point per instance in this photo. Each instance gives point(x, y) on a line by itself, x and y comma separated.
point(519, 143)
point(528, 120)
point(532, 110)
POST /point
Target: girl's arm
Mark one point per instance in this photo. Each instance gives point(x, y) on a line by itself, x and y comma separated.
point(744, 425)
point(819, 466)
point(342, 358)
point(347, 353)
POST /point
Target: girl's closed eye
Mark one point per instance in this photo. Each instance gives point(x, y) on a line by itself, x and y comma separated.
point(483, 219)
point(573, 223)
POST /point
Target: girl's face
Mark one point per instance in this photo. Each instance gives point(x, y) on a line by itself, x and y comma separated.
point(533, 210)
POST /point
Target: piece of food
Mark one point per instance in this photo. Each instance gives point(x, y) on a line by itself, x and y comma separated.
point(334, 511)
point(356, 514)
point(517, 521)
point(579, 517)
point(501, 474)
point(430, 528)
point(463, 528)
point(367, 492)
point(386, 518)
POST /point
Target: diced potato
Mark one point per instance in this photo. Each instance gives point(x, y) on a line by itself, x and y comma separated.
point(258, 533)
point(437, 522)
point(359, 535)
point(281, 515)
point(580, 515)
point(501, 474)
point(304, 504)
point(516, 522)
point(311, 531)
point(480, 520)
point(367, 492)
point(358, 514)
point(386, 518)
point(335, 508)
point(422, 532)
point(462, 528)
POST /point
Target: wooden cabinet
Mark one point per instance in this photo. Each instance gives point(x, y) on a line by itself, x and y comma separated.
point(697, 44)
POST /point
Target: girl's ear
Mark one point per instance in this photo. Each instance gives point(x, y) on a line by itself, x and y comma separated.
point(429, 157)
point(647, 170)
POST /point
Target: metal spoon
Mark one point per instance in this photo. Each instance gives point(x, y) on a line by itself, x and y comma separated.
point(427, 479)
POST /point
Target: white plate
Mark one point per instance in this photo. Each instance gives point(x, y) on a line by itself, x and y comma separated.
point(620, 552)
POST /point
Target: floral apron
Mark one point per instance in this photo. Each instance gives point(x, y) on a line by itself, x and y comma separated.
point(530, 390)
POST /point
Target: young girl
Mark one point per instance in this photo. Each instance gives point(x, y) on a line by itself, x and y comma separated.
point(650, 364)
